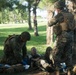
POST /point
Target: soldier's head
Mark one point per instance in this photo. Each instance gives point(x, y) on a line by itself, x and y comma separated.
point(25, 36)
point(59, 5)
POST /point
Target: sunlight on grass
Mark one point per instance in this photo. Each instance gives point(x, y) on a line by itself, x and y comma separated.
point(1, 47)
point(37, 41)
point(6, 26)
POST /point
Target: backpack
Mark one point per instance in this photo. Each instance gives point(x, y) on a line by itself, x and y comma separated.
point(7, 44)
point(9, 38)
point(69, 20)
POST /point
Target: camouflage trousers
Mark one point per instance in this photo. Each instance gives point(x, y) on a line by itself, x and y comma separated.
point(74, 48)
point(8, 60)
point(60, 58)
point(63, 50)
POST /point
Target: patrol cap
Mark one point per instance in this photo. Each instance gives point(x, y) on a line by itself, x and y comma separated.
point(25, 35)
point(59, 4)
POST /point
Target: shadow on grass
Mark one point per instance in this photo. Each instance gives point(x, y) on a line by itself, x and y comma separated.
point(39, 40)
point(36, 41)
point(1, 54)
point(2, 39)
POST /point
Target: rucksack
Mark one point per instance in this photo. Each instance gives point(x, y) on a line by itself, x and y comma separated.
point(69, 20)
point(9, 38)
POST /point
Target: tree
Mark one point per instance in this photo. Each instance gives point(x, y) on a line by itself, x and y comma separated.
point(13, 5)
point(48, 4)
point(29, 14)
point(35, 4)
point(31, 4)
point(2, 3)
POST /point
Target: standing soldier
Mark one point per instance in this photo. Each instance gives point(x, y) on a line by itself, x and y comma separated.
point(74, 12)
point(63, 26)
point(72, 8)
point(15, 48)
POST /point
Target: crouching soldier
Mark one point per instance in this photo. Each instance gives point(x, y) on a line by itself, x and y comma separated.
point(15, 48)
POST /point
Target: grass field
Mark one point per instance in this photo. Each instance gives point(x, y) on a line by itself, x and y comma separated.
point(37, 41)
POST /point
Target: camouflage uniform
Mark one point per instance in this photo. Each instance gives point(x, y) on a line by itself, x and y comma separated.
point(63, 49)
point(74, 12)
point(64, 25)
point(15, 48)
point(72, 8)
point(74, 51)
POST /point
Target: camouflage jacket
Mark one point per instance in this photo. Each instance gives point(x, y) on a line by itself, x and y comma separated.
point(64, 19)
point(14, 48)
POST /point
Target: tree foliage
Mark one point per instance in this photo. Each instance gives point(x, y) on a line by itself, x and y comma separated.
point(2, 4)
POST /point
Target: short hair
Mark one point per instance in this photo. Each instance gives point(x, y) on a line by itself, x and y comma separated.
point(25, 35)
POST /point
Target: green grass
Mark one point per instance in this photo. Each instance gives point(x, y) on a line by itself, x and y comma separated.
point(37, 41)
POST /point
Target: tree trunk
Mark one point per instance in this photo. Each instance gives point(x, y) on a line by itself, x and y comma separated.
point(29, 16)
point(49, 35)
point(35, 21)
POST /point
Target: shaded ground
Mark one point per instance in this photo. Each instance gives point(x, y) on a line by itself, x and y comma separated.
point(36, 72)
point(29, 72)
point(32, 72)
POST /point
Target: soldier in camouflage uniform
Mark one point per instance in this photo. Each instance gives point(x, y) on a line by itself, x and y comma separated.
point(71, 5)
point(63, 26)
point(74, 12)
point(15, 48)
point(74, 53)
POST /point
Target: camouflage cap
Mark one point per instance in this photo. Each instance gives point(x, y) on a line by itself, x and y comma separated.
point(25, 35)
point(59, 4)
